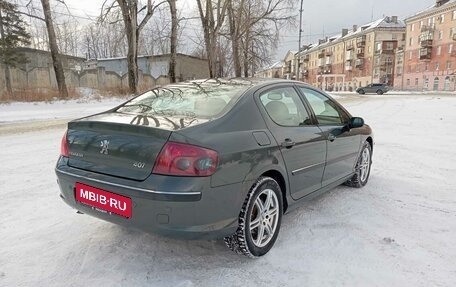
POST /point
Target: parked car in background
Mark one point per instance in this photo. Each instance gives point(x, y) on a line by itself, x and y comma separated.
point(378, 89)
point(213, 159)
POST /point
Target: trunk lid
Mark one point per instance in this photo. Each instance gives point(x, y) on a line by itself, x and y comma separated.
point(115, 144)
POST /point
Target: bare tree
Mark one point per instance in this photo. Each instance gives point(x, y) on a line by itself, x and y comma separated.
point(130, 12)
point(58, 67)
point(174, 23)
point(211, 26)
point(251, 21)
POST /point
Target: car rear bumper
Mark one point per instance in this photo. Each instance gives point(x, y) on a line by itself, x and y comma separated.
point(189, 208)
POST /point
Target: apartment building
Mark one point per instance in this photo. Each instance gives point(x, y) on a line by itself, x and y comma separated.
point(429, 58)
point(273, 71)
point(362, 55)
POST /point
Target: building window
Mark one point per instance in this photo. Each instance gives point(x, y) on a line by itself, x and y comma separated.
point(436, 83)
point(450, 48)
point(442, 18)
point(412, 28)
point(440, 35)
point(411, 41)
point(447, 84)
point(410, 55)
point(437, 66)
point(421, 24)
point(448, 65)
point(417, 68)
point(416, 81)
point(426, 67)
point(439, 50)
point(454, 15)
point(408, 82)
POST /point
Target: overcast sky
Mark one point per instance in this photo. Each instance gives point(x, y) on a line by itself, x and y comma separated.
point(320, 18)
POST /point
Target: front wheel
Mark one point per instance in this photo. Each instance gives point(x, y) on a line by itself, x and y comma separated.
point(361, 92)
point(259, 220)
point(379, 92)
point(363, 167)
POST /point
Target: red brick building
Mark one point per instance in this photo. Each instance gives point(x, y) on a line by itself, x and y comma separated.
point(428, 61)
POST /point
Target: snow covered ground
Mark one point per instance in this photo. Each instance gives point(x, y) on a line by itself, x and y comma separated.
point(400, 230)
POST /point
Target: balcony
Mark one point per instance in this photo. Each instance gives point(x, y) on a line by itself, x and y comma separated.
point(350, 47)
point(360, 53)
point(349, 56)
point(359, 63)
point(306, 58)
point(385, 51)
point(428, 28)
point(361, 41)
point(328, 53)
point(349, 67)
point(328, 69)
point(426, 43)
point(322, 54)
point(426, 53)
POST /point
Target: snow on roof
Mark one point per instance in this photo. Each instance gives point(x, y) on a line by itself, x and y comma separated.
point(432, 7)
point(385, 22)
point(276, 65)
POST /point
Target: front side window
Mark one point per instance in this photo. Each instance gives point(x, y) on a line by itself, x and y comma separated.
point(326, 111)
point(285, 108)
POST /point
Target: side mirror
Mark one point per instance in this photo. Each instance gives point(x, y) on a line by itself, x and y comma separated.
point(356, 123)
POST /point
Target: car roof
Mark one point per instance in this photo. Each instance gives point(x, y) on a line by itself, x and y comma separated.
point(247, 82)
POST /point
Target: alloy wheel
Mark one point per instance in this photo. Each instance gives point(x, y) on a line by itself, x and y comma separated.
point(264, 218)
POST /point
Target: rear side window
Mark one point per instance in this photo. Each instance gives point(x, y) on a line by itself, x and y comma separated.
point(285, 107)
point(201, 100)
point(326, 111)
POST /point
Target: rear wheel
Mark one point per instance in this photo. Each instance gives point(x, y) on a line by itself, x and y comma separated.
point(363, 167)
point(259, 220)
point(379, 92)
point(362, 92)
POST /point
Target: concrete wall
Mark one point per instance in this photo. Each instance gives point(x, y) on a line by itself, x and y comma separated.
point(110, 75)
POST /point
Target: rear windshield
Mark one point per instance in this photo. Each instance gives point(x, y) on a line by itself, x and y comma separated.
point(201, 100)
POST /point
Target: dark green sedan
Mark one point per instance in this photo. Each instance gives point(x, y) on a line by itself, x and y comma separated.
point(213, 159)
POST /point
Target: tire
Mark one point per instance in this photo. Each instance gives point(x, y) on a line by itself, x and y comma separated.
point(246, 241)
point(362, 168)
point(379, 92)
point(361, 92)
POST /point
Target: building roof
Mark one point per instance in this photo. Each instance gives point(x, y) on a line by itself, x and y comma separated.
point(385, 22)
point(431, 9)
point(149, 56)
point(276, 65)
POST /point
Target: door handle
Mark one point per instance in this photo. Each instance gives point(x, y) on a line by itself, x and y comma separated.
point(288, 143)
point(331, 137)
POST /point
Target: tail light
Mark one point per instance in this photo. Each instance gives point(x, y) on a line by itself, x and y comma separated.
point(185, 160)
point(64, 146)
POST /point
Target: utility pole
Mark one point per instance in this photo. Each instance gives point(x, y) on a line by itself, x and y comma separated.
point(300, 35)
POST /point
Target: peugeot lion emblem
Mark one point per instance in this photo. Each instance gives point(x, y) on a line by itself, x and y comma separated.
point(104, 147)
